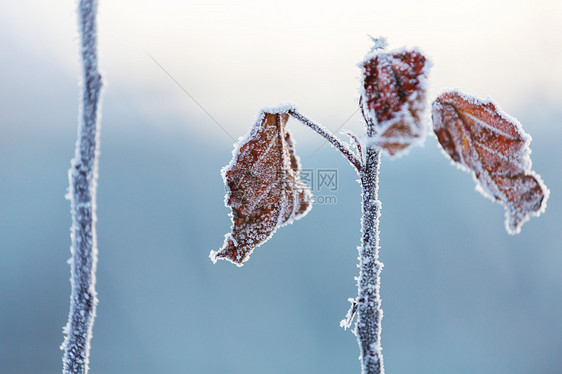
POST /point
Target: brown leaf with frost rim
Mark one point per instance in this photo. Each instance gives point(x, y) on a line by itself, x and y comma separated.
point(264, 189)
point(394, 97)
point(479, 136)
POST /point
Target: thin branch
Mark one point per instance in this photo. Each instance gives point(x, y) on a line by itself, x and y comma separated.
point(338, 129)
point(369, 311)
point(357, 144)
point(368, 120)
point(368, 302)
point(347, 153)
point(82, 192)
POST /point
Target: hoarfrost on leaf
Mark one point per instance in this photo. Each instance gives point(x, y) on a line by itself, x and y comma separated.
point(393, 98)
point(479, 136)
point(264, 189)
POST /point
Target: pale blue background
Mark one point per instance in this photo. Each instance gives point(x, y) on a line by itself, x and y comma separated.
point(461, 296)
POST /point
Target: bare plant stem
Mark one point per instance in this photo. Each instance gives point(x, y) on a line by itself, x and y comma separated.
point(82, 192)
point(351, 157)
point(368, 303)
point(369, 311)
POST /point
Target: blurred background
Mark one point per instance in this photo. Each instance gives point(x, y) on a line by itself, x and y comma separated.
point(460, 295)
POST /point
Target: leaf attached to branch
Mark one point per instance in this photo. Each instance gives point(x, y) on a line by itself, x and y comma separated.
point(477, 135)
point(264, 189)
point(393, 98)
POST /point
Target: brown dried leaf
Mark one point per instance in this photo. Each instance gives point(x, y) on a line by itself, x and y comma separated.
point(393, 97)
point(479, 136)
point(264, 189)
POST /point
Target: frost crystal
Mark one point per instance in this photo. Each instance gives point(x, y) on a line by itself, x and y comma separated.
point(479, 136)
point(264, 188)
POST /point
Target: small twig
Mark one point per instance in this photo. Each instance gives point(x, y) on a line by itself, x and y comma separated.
point(346, 323)
point(368, 120)
point(347, 153)
point(338, 129)
point(357, 144)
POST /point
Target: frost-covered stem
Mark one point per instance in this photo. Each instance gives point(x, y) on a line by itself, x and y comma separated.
point(82, 192)
point(369, 311)
point(329, 137)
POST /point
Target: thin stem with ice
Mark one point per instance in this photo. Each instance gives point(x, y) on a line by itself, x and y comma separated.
point(82, 192)
point(351, 157)
point(368, 302)
point(369, 311)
